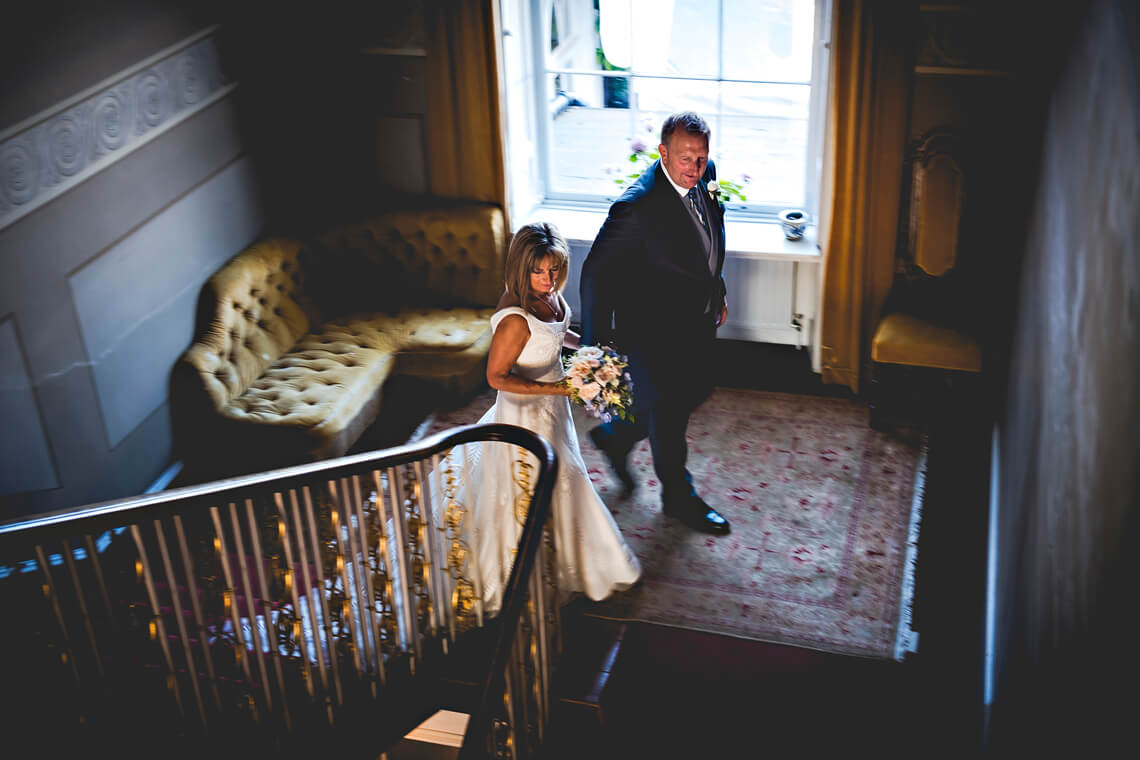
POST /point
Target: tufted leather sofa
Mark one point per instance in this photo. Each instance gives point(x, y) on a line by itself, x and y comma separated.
point(298, 338)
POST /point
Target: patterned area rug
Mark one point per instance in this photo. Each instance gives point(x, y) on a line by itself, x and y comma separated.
point(824, 513)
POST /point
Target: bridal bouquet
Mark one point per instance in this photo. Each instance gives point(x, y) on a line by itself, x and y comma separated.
point(599, 382)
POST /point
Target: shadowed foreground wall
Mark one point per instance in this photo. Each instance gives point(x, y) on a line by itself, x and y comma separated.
point(125, 184)
point(1070, 439)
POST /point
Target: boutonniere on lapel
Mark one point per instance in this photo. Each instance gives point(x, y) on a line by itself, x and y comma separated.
point(714, 190)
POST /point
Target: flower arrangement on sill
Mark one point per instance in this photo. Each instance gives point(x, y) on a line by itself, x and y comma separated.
point(642, 156)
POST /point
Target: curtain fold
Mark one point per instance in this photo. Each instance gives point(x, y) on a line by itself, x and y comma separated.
point(869, 106)
point(464, 123)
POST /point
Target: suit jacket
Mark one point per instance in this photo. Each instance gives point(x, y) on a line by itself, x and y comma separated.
point(646, 286)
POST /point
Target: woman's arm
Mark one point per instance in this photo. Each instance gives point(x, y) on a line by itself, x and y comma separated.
point(506, 346)
point(572, 340)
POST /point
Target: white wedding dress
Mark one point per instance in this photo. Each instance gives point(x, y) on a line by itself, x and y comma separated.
point(591, 555)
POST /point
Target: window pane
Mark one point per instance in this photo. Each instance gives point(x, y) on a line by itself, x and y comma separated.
point(590, 143)
point(660, 36)
point(757, 130)
point(769, 40)
point(764, 136)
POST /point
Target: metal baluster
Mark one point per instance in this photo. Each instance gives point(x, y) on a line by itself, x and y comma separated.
point(353, 571)
point(396, 489)
point(553, 612)
point(447, 605)
point(361, 575)
point(196, 607)
point(274, 650)
point(156, 617)
point(512, 697)
point(310, 591)
point(247, 586)
point(300, 627)
point(372, 629)
point(230, 593)
point(476, 571)
point(93, 553)
point(389, 610)
point(418, 564)
point(69, 559)
point(537, 610)
point(180, 620)
point(53, 597)
point(322, 596)
point(523, 643)
point(337, 515)
point(427, 537)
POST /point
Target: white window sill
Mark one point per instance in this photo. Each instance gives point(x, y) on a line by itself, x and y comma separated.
point(746, 239)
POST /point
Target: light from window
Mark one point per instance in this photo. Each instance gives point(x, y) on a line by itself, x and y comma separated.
point(745, 65)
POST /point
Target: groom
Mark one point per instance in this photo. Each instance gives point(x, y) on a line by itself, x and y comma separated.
point(652, 286)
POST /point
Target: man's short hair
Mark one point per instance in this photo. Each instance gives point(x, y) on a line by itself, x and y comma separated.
point(687, 121)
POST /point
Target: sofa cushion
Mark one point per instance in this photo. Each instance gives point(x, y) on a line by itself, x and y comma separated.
point(330, 383)
point(906, 339)
point(453, 372)
point(441, 330)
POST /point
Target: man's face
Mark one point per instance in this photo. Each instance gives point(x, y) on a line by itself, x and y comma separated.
point(685, 157)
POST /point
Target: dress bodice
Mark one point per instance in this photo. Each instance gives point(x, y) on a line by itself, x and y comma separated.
point(541, 357)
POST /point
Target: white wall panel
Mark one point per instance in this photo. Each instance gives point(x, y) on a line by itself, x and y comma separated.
point(25, 460)
point(136, 301)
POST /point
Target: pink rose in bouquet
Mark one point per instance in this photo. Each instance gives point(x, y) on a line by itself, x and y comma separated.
point(599, 382)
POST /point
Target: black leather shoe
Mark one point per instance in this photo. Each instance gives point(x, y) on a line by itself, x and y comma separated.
point(699, 516)
point(617, 463)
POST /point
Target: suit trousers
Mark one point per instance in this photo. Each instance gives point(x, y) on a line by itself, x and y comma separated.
point(664, 423)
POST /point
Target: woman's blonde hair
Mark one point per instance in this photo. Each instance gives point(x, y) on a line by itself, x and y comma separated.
point(531, 244)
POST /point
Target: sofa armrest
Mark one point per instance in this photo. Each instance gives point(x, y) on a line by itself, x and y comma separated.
point(258, 308)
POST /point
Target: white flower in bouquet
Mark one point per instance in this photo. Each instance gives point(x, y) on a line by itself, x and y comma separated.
point(589, 353)
point(599, 382)
point(589, 391)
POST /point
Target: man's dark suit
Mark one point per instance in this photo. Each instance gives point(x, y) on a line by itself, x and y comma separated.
point(648, 276)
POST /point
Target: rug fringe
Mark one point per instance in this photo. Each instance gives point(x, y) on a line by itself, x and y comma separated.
point(906, 640)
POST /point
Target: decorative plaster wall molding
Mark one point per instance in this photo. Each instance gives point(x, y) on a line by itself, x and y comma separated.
point(53, 151)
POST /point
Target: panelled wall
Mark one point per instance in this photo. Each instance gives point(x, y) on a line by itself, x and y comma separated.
point(1067, 493)
point(143, 144)
point(124, 185)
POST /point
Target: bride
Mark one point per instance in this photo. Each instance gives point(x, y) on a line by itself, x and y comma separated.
point(529, 328)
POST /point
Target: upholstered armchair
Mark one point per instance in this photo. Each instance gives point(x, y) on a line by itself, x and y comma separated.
point(298, 339)
point(931, 320)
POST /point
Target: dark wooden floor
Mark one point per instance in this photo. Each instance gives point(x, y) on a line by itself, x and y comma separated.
point(640, 690)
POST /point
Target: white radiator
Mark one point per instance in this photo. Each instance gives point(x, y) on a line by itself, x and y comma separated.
point(769, 300)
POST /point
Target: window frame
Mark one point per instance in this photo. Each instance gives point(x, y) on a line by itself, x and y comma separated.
point(538, 25)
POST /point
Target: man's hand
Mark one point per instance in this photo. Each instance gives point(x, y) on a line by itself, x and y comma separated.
point(722, 315)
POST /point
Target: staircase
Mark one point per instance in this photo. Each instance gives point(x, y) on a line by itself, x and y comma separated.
point(330, 607)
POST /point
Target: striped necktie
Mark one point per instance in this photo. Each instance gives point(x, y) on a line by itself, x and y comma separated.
point(696, 206)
